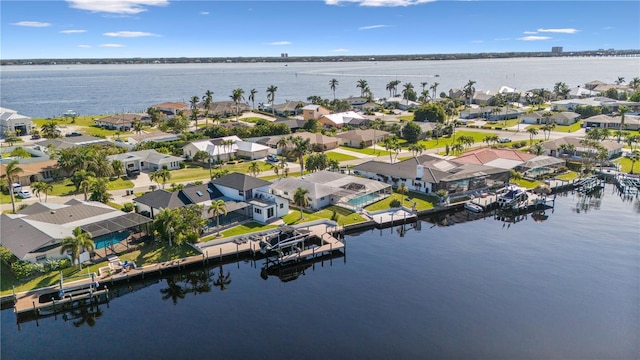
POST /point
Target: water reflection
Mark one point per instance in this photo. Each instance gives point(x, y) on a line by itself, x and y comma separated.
point(223, 280)
point(588, 201)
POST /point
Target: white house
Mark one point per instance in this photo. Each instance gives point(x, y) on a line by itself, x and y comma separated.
point(135, 161)
point(340, 119)
point(219, 150)
point(10, 120)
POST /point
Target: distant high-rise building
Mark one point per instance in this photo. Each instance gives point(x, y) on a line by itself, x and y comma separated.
point(284, 55)
point(556, 49)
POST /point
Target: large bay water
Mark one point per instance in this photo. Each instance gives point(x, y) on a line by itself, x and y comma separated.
point(567, 287)
point(49, 91)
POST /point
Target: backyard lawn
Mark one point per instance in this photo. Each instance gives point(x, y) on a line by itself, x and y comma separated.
point(379, 151)
point(443, 141)
point(85, 123)
point(568, 176)
point(145, 255)
point(527, 184)
point(197, 172)
point(247, 228)
point(65, 187)
point(344, 216)
point(625, 165)
point(561, 128)
point(423, 201)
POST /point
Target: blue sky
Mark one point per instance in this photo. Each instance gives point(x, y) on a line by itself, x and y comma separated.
point(176, 28)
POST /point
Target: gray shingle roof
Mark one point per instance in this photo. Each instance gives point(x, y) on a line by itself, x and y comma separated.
point(162, 199)
point(20, 237)
point(201, 193)
point(240, 181)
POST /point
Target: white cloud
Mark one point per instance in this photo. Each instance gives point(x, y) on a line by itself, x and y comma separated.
point(32, 24)
point(502, 39)
point(129, 34)
point(379, 3)
point(477, 41)
point(116, 6)
point(339, 50)
point(530, 32)
point(72, 31)
point(372, 27)
point(559, 31)
point(534, 38)
point(608, 27)
point(112, 45)
point(275, 43)
point(204, 13)
point(84, 46)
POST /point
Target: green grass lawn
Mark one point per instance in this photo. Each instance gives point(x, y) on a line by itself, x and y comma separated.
point(625, 165)
point(6, 199)
point(197, 172)
point(527, 184)
point(423, 201)
point(65, 187)
point(406, 117)
point(247, 228)
point(85, 123)
point(379, 151)
point(332, 155)
point(443, 141)
point(145, 255)
point(561, 128)
point(344, 216)
point(568, 176)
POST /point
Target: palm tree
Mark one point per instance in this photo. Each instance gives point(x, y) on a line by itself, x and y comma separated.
point(469, 90)
point(408, 88)
point(424, 85)
point(417, 149)
point(282, 143)
point(634, 157)
point(252, 98)
point(208, 99)
point(194, 109)
point(300, 199)
point(118, 168)
point(402, 189)
point(620, 80)
point(532, 133)
point(362, 84)
point(390, 86)
point(301, 147)
point(42, 187)
point(271, 96)
point(137, 126)
point(218, 207)
point(622, 110)
point(50, 130)
point(164, 224)
point(76, 243)
point(635, 83)
point(160, 176)
point(20, 153)
point(254, 168)
point(237, 95)
point(11, 172)
point(434, 88)
point(333, 83)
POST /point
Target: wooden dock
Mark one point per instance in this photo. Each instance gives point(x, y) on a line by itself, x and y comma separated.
point(219, 250)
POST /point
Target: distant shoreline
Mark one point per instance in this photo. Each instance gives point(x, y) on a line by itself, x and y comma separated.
point(352, 58)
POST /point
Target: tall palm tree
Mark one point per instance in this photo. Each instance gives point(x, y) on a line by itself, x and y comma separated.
point(408, 88)
point(469, 91)
point(434, 88)
point(50, 130)
point(390, 87)
point(424, 85)
point(237, 95)
point(41, 187)
point(362, 84)
point(620, 80)
point(207, 99)
point(165, 224)
point(301, 147)
point(252, 98)
point(300, 199)
point(218, 207)
point(635, 83)
point(11, 172)
point(271, 96)
point(333, 83)
point(622, 110)
point(532, 133)
point(194, 109)
point(76, 243)
point(634, 157)
point(402, 189)
point(160, 176)
point(254, 168)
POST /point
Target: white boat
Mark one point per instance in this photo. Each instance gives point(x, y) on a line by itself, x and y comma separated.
point(473, 207)
point(513, 194)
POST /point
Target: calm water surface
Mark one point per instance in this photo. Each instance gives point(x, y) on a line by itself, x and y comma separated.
point(49, 91)
point(567, 287)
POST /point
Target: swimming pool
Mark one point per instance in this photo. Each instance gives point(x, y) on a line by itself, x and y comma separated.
point(362, 199)
point(102, 242)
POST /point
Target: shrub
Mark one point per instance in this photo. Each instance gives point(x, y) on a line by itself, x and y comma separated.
point(7, 256)
point(574, 165)
point(395, 203)
point(23, 269)
point(128, 207)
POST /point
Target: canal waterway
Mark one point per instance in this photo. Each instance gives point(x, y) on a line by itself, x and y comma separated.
point(564, 284)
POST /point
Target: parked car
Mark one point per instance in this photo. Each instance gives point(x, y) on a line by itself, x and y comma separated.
point(16, 187)
point(504, 140)
point(72, 134)
point(24, 194)
point(272, 158)
point(35, 137)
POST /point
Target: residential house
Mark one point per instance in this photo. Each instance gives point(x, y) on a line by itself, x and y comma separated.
point(11, 121)
point(220, 151)
point(319, 141)
point(155, 136)
point(341, 119)
point(36, 171)
point(428, 174)
point(612, 105)
point(122, 122)
point(171, 108)
point(580, 92)
point(293, 124)
point(554, 147)
point(35, 233)
point(288, 108)
point(224, 108)
point(326, 188)
point(401, 103)
point(612, 122)
point(72, 141)
point(561, 118)
point(361, 138)
point(314, 112)
point(136, 161)
point(511, 159)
